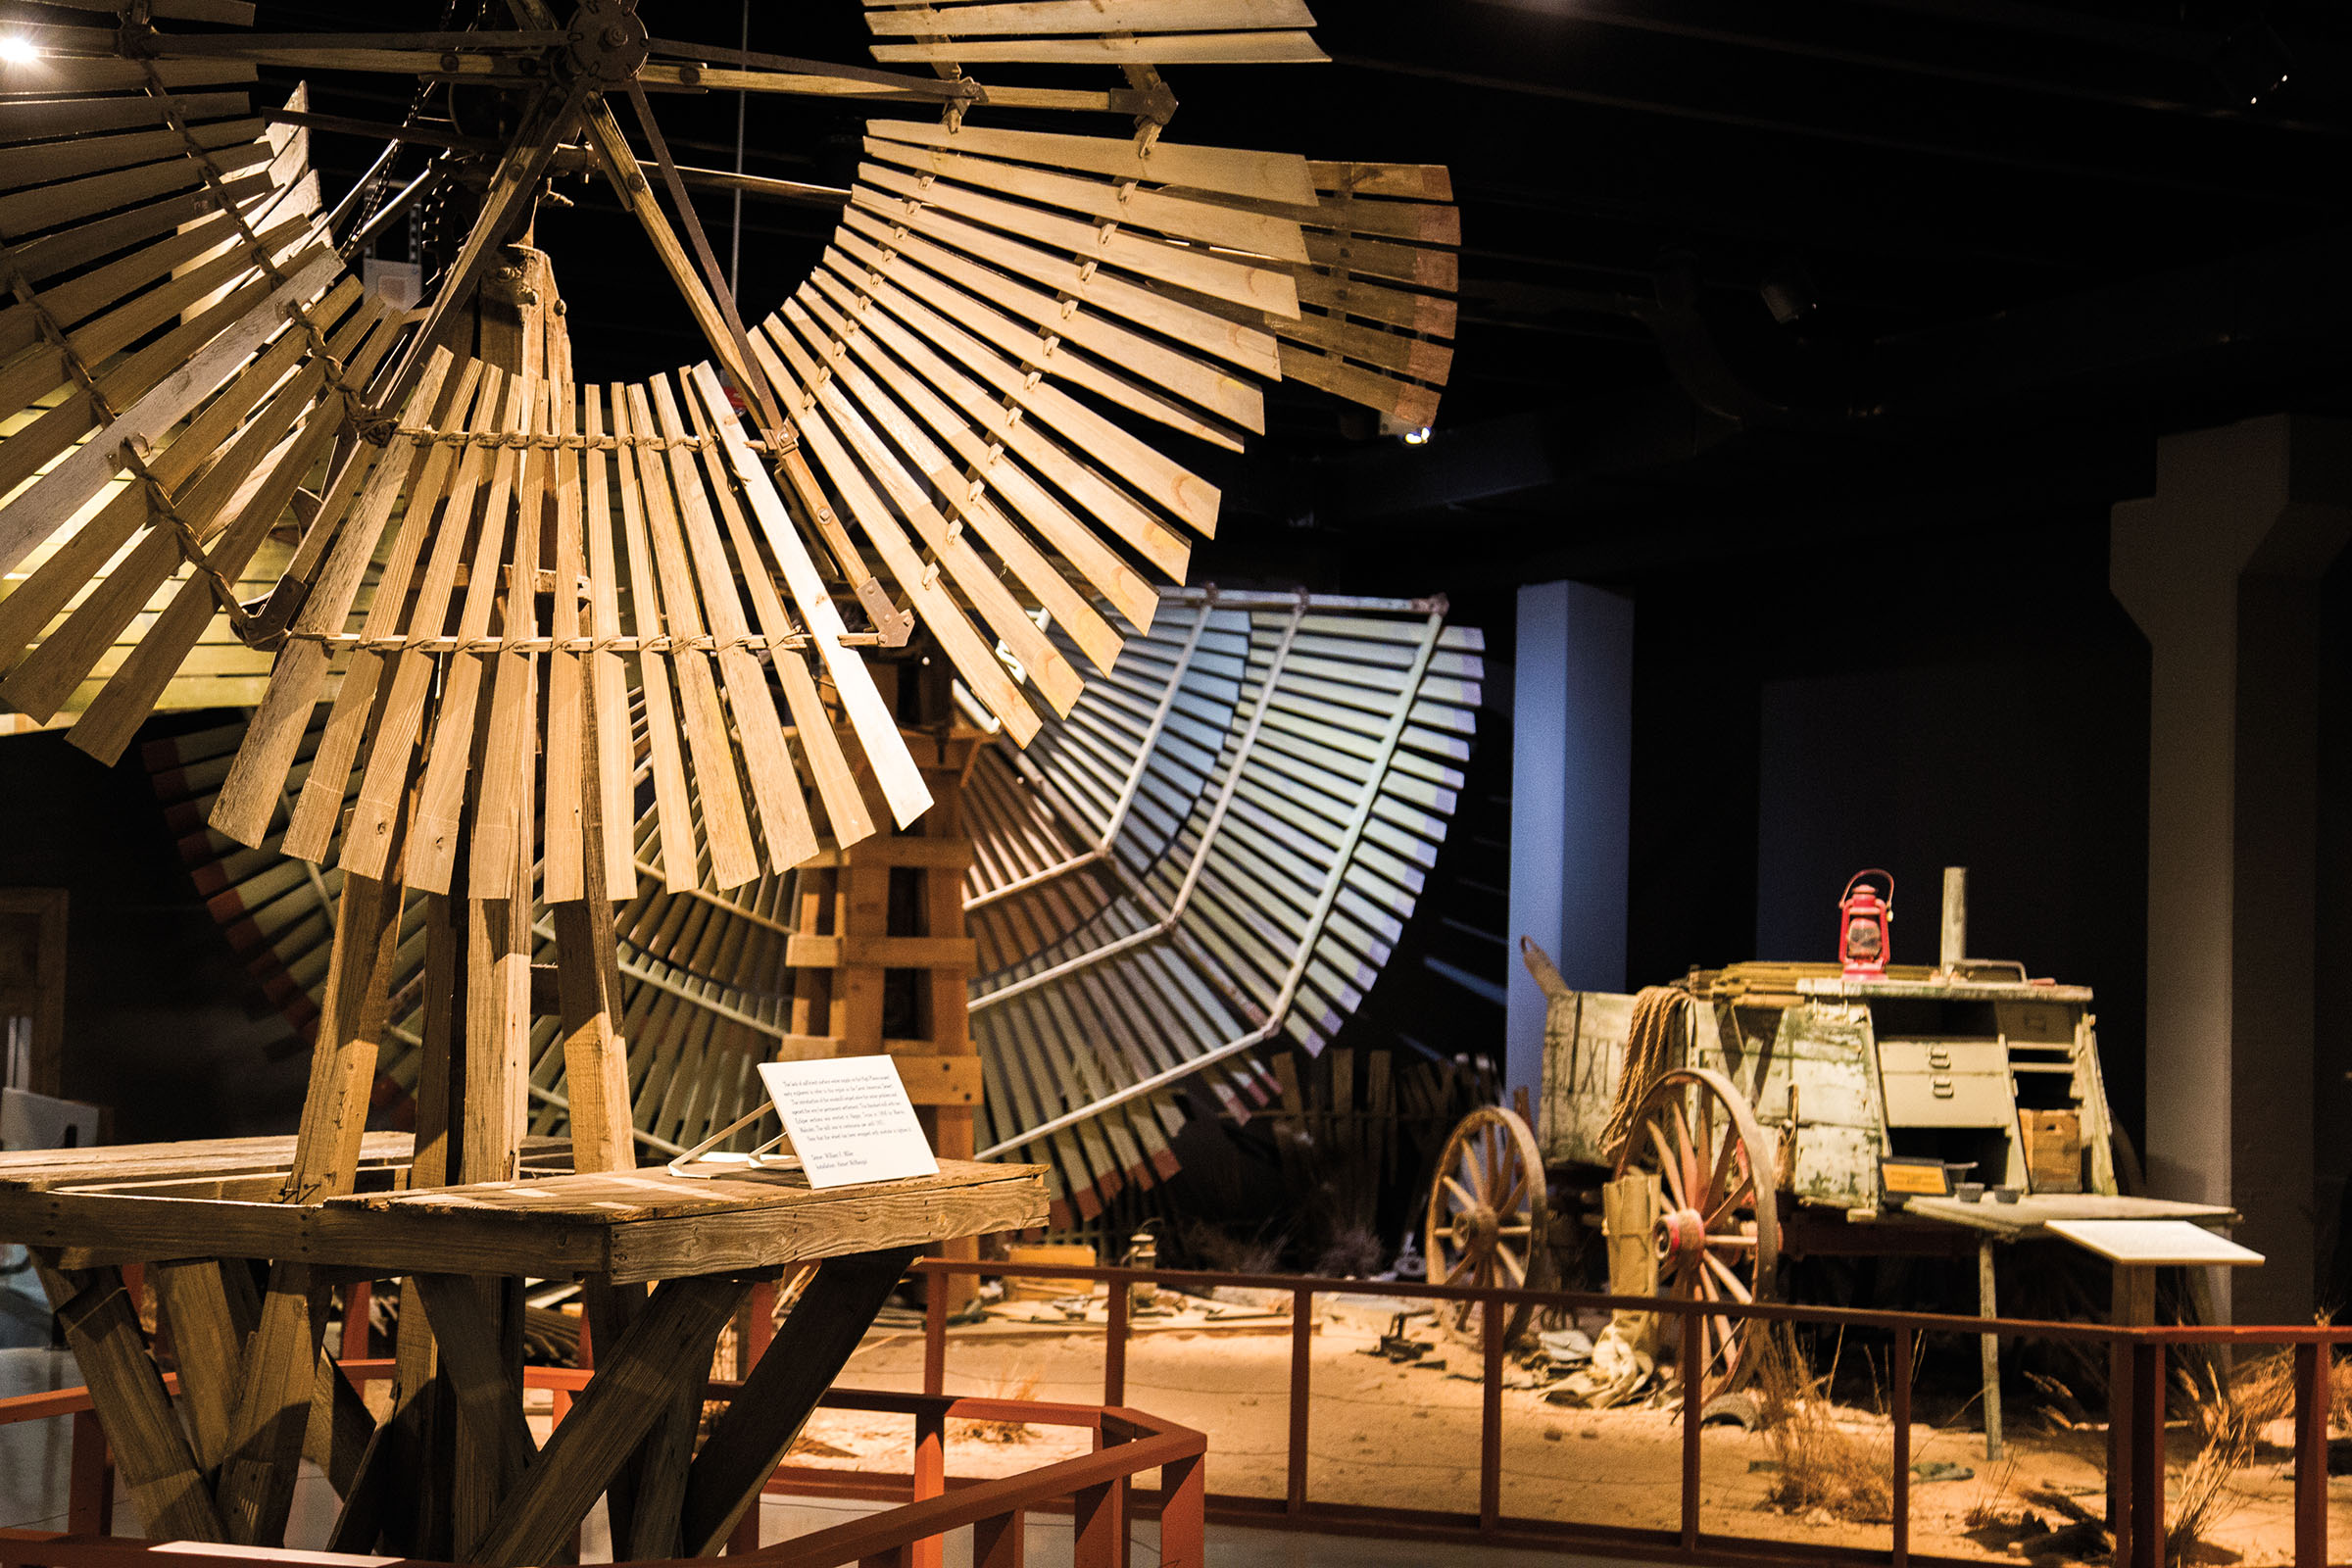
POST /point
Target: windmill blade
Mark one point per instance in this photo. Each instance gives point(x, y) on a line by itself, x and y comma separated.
point(1217, 849)
point(1122, 32)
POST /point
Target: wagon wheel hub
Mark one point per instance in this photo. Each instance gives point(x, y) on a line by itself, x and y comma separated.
point(1475, 1229)
point(1681, 1234)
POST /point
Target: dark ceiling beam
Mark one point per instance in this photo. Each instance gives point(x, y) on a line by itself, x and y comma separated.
point(1956, 47)
point(1815, 103)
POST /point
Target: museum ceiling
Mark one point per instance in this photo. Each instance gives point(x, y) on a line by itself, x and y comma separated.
point(1728, 270)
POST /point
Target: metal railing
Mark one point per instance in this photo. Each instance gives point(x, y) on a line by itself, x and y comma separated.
point(1094, 1487)
point(1097, 1487)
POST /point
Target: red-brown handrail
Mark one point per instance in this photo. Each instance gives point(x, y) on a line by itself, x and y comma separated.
point(1133, 1442)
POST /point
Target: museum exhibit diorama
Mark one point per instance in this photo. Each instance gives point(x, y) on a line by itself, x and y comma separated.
point(821, 784)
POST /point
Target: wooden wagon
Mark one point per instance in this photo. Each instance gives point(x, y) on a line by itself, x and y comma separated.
point(1766, 1100)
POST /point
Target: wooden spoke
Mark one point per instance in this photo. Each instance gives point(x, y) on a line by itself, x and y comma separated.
point(1716, 1165)
point(1462, 1196)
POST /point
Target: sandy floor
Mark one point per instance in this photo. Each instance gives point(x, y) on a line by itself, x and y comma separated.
point(1407, 1437)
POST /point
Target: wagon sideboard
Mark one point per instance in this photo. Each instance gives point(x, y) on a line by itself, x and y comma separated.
point(1999, 1076)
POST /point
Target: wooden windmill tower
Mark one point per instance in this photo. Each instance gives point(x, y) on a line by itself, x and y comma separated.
point(564, 636)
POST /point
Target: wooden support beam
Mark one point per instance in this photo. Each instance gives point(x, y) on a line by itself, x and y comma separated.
point(210, 1309)
point(150, 1451)
point(493, 1441)
point(668, 1344)
point(751, 1436)
point(256, 1490)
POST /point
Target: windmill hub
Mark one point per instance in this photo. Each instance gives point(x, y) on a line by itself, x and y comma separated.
point(607, 43)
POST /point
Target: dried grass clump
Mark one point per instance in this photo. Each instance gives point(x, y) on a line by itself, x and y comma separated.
point(1820, 1464)
point(1019, 1384)
point(2228, 1411)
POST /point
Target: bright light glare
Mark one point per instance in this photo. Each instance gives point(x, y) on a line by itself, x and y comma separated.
point(17, 50)
point(1417, 438)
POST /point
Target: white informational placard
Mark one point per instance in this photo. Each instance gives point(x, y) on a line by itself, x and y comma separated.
point(850, 1120)
point(2152, 1243)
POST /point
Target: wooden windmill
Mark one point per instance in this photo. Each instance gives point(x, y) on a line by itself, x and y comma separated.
point(540, 615)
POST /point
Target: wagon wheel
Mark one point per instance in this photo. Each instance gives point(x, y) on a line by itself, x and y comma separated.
point(1718, 1230)
point(1487, 1214)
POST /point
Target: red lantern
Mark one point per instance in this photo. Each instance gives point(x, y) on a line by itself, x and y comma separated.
point(1863, 918)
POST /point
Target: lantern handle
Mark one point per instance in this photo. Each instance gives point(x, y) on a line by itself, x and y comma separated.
point(1886, 876)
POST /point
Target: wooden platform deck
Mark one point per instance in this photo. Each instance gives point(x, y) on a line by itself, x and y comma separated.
point(159, 1201)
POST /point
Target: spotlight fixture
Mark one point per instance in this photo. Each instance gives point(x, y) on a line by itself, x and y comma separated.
point(1417, 436)
point(18, 50)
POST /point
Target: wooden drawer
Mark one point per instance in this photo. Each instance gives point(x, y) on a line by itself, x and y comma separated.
point(1949, 1100)
point(1942, 1056)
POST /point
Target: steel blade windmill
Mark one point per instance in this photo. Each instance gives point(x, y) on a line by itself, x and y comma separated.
point(529, 640)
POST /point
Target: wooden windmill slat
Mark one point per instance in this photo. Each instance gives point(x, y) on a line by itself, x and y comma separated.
point(1205, 221)
point(429, 856)
point(70, 302)
point(846, 814)
point(1044, 17)
point(45, 677)
point(46, 369)
point(113, 717)
point(38, 164)
point(767, 762)
point(876, 731)
point(1268, 176)
point(969, 500)
point(450, 475)
point(680, 859)
point(1166, 484)
point(1244, 282)
point(565, 846)
point(833, 429)
point(991, 423)
point(79, 74)
point(607, 677)
point(38, 511)
point(31, 119)
point(726, 822)
point(500, 857)
point(1068, 275)
point(1039, 348)
point(63, 250)
point(1159, 49)
point(45, 207)
point(833, 336)
point(1227, 396)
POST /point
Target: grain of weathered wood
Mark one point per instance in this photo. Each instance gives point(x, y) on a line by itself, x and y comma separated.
point(673, 803)
point(751, 1436)
point(150, 1451)
point(493, 1441)
point(210, 1309)
point(667, 1344)
point(256, 1490)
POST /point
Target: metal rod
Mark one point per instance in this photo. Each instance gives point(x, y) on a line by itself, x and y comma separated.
point(1899, 1554)
point(1988, 1350)
point(1490, 1415)
point(1303, 1332)
point(1693, 1410)
point(1191, 876)
point(1126, 799)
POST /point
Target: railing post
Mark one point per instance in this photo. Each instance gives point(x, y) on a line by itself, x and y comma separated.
point(1694, 1373)
point(2147, 1454)
point(930, 1468)
point(1093, 1529)
point(91, 1490)
point(935, 1338)
point(997, 1543)
point(1899, 1546)
point(1183, 1514)
point(2312, 1364)
point(1114, 1346)
point(1302, 1345)
point(1490, 1423)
